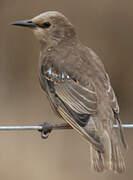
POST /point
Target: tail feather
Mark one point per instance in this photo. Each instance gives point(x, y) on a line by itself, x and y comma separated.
point(111, 159)
point(117, 118)
point(97, 161)
point(118, 164)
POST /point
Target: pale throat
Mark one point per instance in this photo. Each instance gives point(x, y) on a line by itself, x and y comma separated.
point(40, 34)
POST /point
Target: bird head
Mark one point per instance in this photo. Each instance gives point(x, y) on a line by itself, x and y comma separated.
point(49, 27)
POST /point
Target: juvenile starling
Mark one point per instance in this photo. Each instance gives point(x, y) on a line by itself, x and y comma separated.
point(79, 89)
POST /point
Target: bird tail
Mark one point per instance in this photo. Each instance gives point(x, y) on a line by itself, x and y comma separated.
point(111, 159)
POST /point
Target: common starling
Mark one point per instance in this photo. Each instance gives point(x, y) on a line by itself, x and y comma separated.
point(78, 87)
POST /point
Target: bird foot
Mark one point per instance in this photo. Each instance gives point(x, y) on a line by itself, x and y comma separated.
point(46, 129)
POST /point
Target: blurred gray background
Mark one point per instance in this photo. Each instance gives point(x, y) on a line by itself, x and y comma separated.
point(107, 27)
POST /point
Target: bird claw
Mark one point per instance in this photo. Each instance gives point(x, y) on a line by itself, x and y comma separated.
point(46, 129)
point(43, 135)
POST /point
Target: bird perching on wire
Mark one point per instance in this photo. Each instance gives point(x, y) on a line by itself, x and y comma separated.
point(78, 88)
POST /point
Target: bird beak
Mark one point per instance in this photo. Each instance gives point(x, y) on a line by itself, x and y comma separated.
point(26, 23)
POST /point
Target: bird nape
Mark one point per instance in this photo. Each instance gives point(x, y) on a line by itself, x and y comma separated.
point(78, 88)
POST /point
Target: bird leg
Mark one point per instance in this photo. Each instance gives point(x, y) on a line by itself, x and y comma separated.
point(48, 127)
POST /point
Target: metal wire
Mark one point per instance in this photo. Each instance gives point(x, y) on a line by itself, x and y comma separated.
point(55, 127)
point(125, 126)
point(14, 128)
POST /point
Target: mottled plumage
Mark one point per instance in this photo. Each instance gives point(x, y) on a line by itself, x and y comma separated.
point(79, 89)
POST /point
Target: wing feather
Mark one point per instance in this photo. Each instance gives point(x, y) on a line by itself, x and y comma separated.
point(115, 108)
point(89, 137)
point(77, 97)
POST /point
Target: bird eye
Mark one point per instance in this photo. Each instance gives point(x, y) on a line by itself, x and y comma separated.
point(46, 25)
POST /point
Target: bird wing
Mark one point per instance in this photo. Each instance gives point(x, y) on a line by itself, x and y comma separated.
point(75, 104)
point(115, 107)
point(111, 94)
point(81, 100)
point(78, 104)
